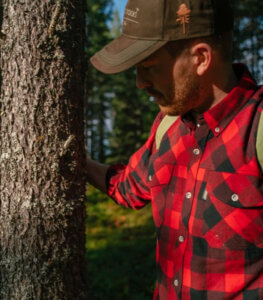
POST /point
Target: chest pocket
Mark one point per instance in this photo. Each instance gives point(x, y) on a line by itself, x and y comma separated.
point(159, 177)
point(233, 214)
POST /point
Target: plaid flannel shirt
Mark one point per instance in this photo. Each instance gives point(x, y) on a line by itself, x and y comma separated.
point(206, 190)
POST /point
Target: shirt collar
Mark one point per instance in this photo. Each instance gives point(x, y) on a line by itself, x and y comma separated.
point(219, 116)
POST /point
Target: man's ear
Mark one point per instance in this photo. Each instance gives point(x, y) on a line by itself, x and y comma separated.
point(202, 54)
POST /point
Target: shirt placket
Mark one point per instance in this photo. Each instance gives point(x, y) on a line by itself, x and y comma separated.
point(195, 150)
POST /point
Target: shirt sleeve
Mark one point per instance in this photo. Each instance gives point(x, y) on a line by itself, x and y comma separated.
point(128, 184)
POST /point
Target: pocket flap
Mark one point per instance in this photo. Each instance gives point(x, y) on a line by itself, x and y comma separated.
point(159, 173)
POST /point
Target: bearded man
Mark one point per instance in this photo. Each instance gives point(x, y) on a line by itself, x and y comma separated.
point(200, 168)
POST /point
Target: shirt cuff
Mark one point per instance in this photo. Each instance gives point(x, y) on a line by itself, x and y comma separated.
point(112, 170)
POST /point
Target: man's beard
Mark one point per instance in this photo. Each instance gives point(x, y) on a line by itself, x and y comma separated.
point(182, 97)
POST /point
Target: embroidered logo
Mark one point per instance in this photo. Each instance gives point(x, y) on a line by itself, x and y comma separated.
point(131, 15)
point(183, 16)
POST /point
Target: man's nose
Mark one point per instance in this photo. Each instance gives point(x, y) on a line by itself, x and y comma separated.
point(141, 80)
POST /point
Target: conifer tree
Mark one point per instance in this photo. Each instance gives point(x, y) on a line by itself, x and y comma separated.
point(98, 84)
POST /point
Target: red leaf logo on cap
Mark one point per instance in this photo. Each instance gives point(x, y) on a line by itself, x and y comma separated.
point(183, 16)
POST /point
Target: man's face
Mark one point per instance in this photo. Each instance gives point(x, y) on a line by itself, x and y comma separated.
point(170, 80)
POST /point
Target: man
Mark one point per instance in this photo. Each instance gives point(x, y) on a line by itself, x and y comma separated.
point(200, 170)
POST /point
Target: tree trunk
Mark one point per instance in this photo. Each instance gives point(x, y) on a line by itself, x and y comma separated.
point(42, 217)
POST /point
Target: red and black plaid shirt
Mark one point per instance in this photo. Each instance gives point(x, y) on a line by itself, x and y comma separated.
point(206, 190)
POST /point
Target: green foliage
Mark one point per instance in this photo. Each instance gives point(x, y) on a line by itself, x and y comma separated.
point(248, 35)
point(120, 250)
point(133, 117)
point(115, 26)
point(98, 14)
point(98, 84)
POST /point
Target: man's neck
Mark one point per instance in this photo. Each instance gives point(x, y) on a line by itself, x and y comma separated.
point(224, 87)
point(217, 91)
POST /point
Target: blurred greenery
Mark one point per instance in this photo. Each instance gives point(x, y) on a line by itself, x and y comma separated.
point(120, 250)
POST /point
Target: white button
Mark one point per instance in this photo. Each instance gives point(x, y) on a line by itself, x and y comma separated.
point(217, 129)
point(188, 195)
point(176, 282)
point(196, 151)
point(198, 125)
point(181, 239)
point(234, 197)
point(150, 178)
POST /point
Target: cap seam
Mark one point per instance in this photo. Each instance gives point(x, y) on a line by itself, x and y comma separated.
point(113, 58)
point(117, 68)
point(142, 38)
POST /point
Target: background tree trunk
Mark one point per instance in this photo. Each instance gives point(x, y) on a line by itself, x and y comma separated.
point(42, 233)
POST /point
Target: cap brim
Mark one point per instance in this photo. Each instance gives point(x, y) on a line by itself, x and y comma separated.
point(123, 53)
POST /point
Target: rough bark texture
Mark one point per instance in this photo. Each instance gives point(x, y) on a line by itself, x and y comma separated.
point(42, 215)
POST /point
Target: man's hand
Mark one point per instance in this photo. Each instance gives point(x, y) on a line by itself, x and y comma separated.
point(96, 174)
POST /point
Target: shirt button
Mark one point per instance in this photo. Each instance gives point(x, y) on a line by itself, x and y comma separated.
point(234, 197)
point(196, 151)
point(150, 178)
point(217, 129)
point(181, 239)
point(176, 282)
point(198, 125)
point(188, 195)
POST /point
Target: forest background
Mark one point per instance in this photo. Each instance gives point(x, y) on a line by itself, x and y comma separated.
point(120, 242)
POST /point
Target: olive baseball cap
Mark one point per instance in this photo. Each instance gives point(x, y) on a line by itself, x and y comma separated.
point(150, 24)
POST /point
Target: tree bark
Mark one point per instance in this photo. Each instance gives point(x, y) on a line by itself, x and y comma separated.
point(42, 216)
